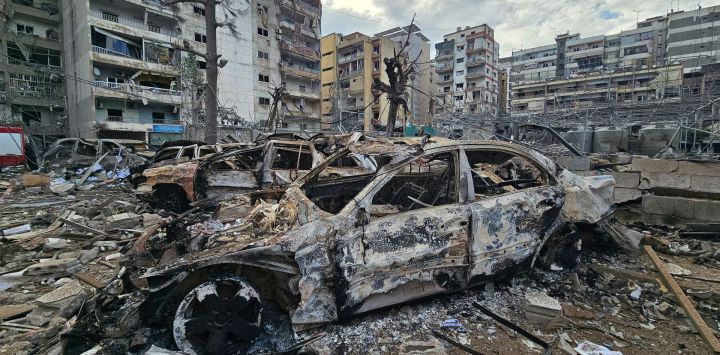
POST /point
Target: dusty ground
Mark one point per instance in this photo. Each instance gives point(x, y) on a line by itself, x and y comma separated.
point(598, 305)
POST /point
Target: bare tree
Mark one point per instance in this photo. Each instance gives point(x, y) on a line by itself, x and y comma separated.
point(398, 70)
point(211, 57)
point(277, 94)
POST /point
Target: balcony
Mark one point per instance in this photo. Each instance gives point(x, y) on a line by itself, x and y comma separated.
point(117, 58)
point(301, 51)
point(350, 74)
point(473, 62)
point(123, 90)
point(302, 7)
point(33, 89)
point(306, 94)
point(477, 75)
point(444, 68)
point(43, 9)
point(299, 71)
point(352, 56)
point(444, 56)
point(49, 36)
point(132, 23)
point(473, 50)
point(31, 65)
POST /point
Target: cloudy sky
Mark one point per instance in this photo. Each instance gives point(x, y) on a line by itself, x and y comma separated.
point(517, 23)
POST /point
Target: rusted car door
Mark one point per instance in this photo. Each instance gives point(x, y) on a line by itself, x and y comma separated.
point(229, 173)
point(511, 214)
point(414, 242)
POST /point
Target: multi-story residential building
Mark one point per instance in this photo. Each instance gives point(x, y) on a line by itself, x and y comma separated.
point(693, 38)
point(467, 66)
point(133, 81)
point(599, 89)
point(31, 83)
point(533, 64)
point(298, 39)
point(351, 63)
point(504, 67)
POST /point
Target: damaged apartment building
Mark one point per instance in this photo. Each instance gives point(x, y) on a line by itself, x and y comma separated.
point(350, 63)
point(132, 80)
point(659, 61)
point(467, 71)
point(31, 86)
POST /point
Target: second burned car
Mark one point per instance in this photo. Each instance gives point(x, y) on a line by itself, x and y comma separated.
point(426, 220)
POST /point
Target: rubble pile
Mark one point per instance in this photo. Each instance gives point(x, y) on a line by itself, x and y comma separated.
point(344, 262)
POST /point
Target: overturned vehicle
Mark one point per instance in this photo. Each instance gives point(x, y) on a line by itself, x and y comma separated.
point(426, 220)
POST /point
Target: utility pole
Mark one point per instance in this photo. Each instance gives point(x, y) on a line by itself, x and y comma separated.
point(211, 61)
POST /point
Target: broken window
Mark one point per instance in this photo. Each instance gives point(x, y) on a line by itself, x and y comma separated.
point(112, 43)
point(199, 37)
point(262, 31)
point(264, 101)
point(188, 153)
point(25, 29)
point(166, 154)
point(114, 115)
point(199, 10)
point(496, 173)
point(158, 117)
point(292, 159)
point(264, 78)
point(86, 149)
point(425, 182)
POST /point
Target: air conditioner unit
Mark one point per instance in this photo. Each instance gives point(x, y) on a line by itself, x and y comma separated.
point(99, 105)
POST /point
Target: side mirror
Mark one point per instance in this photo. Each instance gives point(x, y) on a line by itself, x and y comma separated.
point(363, 217)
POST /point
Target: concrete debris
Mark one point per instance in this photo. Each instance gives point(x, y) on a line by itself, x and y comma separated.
point(295, 243)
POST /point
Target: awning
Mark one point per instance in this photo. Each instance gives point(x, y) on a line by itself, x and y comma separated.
point(118, 37)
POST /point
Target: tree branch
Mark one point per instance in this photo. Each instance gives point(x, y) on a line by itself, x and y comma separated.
point(186, 48)
point(173, 2)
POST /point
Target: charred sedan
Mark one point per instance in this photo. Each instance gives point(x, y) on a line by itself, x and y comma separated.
point(426, 220)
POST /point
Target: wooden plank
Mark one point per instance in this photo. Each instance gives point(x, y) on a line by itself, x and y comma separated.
point(90, 170)
point(697, 320)
point(82, 226)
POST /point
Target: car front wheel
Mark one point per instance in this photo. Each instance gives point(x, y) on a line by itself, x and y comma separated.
point(220, 316)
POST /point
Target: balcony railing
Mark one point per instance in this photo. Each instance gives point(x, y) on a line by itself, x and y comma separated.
point(305, 52)
point(48, 36)
point(166, 121)
point(309, 94)
point(302, 6)
point(471, 62)
point(114, 118)
point(444, 68)
point(52, 9)
point(102, 50)
point(348, 74)
point(132, 23)
point(299, 70)
point(137, 88)
point(350, 57)
point(29, 64)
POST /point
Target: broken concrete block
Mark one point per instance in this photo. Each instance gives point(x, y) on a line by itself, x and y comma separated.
point(89, 255)
point(705, 183)
point(628, 179)
point(668, 206)
point(16, 230)
point(573, 163)
point(55, 244)
point(664, 180)
point(52, 266)
point(62, 188)
point(699, 168)
point(35, 180)
point(648, 165)
point(706, 210)
point(150, 219)
point(541, 309)
point(622, 194)
point(123, 221)
point(70, 289)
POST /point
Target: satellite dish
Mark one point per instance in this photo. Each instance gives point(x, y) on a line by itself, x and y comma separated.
point(96, 71)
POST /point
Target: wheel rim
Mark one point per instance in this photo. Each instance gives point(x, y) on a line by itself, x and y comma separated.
point(220, 316)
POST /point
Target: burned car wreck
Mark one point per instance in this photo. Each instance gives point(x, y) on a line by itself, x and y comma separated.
point(426, 219)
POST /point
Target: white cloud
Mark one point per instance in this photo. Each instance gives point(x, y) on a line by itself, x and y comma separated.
point(517, 23)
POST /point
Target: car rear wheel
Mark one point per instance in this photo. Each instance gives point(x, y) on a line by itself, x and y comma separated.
point(220, 316)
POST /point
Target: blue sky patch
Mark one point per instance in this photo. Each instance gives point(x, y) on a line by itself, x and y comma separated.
point(609, 15)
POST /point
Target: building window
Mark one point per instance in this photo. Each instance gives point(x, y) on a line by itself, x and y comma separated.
point(199, 37)
point(458, 98)
point(327, 54)
point(302, 88)
point(110, 17)
point(262, 55)
point(158, 117)
point(264, 78)
point(327, 69)
point(460, 73)
point(459, 86)
point(114, 115)
point(263, 32)
point(25, 29)
point(201, 64)
point(264, 101)
point(199, 10)
point(446, 89)
point(460, 48)
point(460, 60)
point(446, 77)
